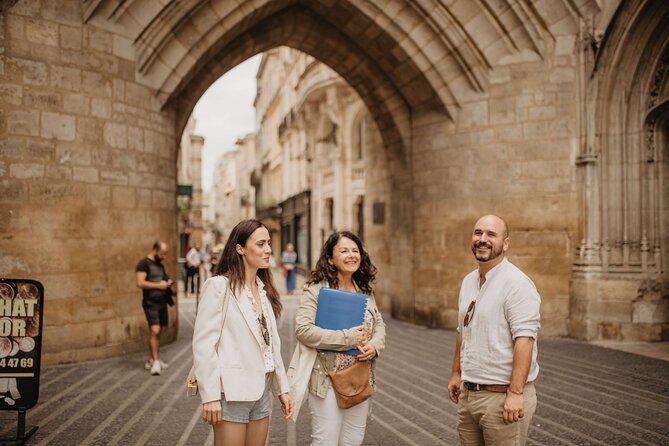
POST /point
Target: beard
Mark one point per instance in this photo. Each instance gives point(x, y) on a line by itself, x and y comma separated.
point(492, 254)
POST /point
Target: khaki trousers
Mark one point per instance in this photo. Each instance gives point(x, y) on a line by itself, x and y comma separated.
point(481, 422)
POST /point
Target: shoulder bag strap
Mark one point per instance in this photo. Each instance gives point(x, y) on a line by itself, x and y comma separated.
point(226, 300)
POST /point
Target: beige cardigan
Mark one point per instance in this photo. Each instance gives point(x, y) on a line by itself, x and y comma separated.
point(303, 368)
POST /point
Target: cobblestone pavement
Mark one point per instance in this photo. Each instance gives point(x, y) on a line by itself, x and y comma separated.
point(588, 395)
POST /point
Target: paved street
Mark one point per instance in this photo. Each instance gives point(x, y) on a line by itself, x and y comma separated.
point(588, 395)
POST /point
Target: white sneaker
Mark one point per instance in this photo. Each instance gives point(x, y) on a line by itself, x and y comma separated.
point(149, 363)
point(155, 368)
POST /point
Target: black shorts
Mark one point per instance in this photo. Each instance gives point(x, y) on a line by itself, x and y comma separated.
point(156, 312)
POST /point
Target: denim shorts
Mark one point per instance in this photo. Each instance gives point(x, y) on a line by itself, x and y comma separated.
point(245, 411)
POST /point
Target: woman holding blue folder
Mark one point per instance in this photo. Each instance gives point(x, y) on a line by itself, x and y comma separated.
point(343, 265)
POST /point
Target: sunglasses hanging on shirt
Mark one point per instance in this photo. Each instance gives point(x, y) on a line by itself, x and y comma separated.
point(262, 321)
point(470, 313)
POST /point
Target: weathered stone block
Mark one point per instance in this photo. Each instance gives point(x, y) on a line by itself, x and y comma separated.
point(63, 11)
point(65, 286)
point(58, 172)
point(42, 100)
point(113, 177)
point(15, 27)
point(70, 37)
point(160, 200)
point(123, 197)
point(85, 174)
point(98, 195)
point(76, 103)
point(73, 154)
point(89, 130)
point(96, 84)
point(473, 114)
point(99, 39)
point(116, 135)
point(122, 47)
point(562, 75)
point(11, 94)
point(55, 192)
point(23, 123)
point(66, 78)
point(119, 89)
point(41, 32)
point(13, 191)
point(26, 171)
point(58, 126)
point(502, 111)
point(646, 332)
point(95, 308)
point(542, 112)
point(75, 336)
point(143, 198)
point(39, 150)
point(135, 138)
point(101, 108)
point(609, 331)
point(49, 54)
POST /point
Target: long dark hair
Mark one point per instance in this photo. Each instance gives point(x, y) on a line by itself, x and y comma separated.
point(231, 264)
point(326, 272)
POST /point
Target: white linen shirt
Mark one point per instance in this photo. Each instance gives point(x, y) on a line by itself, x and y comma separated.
point(507, 306)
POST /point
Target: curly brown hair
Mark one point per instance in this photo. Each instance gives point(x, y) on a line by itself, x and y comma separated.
point(231, 264)
point(326, 272)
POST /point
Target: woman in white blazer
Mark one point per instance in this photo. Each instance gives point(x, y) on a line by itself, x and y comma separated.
point(237, 355)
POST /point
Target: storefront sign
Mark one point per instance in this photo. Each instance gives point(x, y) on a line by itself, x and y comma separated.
point(21, 303)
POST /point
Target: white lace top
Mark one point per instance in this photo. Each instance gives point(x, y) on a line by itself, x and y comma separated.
point(266, 346)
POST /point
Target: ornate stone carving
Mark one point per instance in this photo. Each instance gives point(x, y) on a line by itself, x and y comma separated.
point(658, 80)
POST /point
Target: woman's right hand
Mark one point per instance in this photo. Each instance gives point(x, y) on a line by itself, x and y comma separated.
point(212, 412)
point(359, 334)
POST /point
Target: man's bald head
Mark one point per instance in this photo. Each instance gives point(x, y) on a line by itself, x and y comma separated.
point(495, 220)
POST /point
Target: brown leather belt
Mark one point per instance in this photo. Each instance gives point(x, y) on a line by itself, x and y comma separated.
point(497, 388)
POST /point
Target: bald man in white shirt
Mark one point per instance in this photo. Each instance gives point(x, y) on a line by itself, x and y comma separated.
point(495, 361)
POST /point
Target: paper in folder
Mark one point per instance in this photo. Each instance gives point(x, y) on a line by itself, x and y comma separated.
point(339, 310)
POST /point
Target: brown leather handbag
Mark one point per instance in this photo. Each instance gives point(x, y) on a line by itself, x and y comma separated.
point(351, 385)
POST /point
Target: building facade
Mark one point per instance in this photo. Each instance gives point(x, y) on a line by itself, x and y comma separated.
point(190, 200)
point(551, 113)
point(232, 198)
point(321, 136)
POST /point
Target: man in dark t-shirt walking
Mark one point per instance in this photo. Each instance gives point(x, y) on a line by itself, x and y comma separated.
point(153, 280)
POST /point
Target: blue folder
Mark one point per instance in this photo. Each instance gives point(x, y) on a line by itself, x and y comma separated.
point(339, 310)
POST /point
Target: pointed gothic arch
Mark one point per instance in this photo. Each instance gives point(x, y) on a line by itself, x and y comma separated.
point(624, 245)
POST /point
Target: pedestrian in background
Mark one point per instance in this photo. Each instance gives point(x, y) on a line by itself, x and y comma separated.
point(344, 265)
point(495, 362)
point(214, 256)
point(288, 261)
point(151, 277)
point(237, 355)
point(193, 263)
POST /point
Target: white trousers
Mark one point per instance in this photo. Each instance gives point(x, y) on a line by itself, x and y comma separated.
point(332, 426)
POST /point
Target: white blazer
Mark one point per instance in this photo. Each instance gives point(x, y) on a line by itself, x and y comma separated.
point(231, 360)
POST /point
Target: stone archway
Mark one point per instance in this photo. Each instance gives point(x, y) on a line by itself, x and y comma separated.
point(96, 93)
point(620, 281)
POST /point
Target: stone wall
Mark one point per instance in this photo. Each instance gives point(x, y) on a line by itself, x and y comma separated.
point(508, 152)
point(87, 177)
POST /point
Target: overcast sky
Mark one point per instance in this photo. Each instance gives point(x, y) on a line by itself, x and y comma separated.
point(224, 113)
